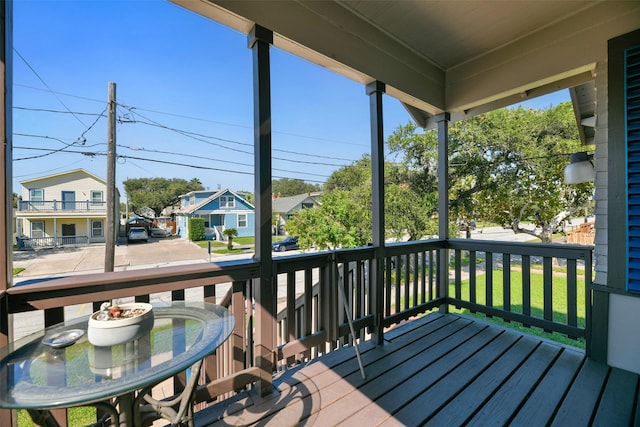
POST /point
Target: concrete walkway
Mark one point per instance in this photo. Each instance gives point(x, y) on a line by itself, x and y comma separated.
point(158, 252)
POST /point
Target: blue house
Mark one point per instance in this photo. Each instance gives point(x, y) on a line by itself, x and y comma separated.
point(220, 209)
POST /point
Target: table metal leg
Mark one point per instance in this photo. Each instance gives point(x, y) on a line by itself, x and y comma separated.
point(165, 408)
point(43, 418)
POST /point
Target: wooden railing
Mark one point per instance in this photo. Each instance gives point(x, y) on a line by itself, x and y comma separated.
point(65, 206)
point(314, 291)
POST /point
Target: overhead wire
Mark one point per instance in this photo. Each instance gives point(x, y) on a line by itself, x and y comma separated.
point(123, 156)
point(46, 85)
point(199, 137)
point(129, 116)
point(126, 117)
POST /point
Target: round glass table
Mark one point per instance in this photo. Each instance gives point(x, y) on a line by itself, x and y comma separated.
point(60, 368)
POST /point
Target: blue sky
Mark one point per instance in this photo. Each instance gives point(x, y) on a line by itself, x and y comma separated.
point(184, 89)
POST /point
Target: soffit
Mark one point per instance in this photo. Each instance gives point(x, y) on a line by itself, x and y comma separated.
point(464, 57)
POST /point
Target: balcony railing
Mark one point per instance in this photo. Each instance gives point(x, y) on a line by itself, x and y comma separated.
point(536, 285)
point(26, 243)
point(61, 206)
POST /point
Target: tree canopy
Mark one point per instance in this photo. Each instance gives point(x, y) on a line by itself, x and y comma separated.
point(505, 167)
point(157, 193)
point(286, 187)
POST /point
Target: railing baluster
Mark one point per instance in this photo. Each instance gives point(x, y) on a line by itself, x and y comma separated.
point(489, 282)
point(506, 283)
point(407, 276)
point(415, 280)
point(526, 287)
point(547, 272)
point(572, 294)
point(472, 278)
point(387, 287)
point(457, 266)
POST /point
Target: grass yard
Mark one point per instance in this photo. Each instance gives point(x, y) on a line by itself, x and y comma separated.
point(559, 301)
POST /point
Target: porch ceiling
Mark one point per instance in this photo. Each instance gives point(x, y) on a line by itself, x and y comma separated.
point(463, 57)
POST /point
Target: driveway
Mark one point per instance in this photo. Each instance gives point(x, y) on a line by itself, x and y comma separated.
point(157, 252)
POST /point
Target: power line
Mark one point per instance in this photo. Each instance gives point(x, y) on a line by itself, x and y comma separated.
point(200, 119)
point(46, 85)
point(47, 110)
point(125, 157)
point(128, 119)
point(242, 126)
point(199, 137)
point(213, 159)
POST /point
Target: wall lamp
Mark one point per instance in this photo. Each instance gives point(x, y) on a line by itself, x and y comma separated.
point(580, 169)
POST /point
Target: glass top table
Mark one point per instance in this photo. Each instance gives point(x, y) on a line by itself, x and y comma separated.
point(35, 375)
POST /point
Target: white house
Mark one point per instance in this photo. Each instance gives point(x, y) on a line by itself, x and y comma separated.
point(67, 208)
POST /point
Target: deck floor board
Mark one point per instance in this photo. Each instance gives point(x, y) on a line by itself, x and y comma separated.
point(442, 369)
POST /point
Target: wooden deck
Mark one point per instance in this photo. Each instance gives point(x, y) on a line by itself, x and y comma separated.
point(443, 370)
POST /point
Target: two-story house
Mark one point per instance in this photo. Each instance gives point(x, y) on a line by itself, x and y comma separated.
point(67, 208)
point(220, 209)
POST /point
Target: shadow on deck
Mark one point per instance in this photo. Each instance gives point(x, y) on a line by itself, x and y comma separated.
point(443, 370)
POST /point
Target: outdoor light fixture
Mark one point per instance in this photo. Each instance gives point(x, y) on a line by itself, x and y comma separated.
point(580, 169)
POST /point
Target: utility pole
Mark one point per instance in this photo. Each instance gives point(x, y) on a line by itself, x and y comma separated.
point(111, 181)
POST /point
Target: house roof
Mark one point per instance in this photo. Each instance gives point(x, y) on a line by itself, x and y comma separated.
point(463, 57)
point(287, 204)
point(194, 208)
point(75, 171)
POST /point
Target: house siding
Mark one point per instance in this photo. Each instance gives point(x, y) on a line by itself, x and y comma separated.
point(214, 214)
point(79, 182)
point(602, 177)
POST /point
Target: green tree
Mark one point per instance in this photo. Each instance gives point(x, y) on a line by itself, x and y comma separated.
point(230, 233)
point(291, 187)
point(343, 219)
point(157, 193)
point(505, 166)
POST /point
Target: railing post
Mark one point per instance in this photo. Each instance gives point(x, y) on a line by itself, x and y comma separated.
point(443, 206)
point(375, 91)
point(259, 41)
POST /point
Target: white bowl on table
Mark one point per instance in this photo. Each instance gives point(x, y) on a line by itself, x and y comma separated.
point(113, 331)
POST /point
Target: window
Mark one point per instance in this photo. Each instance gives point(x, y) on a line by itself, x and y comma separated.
point(97, 229)
point(242, 220)
point(227, 202)
point(96, 198)
point(37, 229)
point(36, 195)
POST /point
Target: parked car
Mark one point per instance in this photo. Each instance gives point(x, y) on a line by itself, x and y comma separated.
point(288, 244)
point(160, 232)
point(137, 234)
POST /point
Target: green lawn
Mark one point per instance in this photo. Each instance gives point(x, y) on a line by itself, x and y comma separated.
point(559, 301)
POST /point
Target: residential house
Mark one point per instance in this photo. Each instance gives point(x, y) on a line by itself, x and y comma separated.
point(67, 208)
point(285, 207)
point(220, 209)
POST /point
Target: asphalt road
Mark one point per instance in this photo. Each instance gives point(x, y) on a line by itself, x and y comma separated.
point(157, 252)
